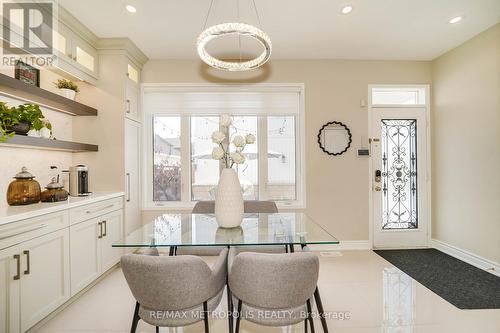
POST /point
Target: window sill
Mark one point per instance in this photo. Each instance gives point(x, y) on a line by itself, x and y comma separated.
point(190, 206)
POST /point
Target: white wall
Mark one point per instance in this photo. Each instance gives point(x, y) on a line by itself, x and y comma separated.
point(466, 146)
point(337, 187)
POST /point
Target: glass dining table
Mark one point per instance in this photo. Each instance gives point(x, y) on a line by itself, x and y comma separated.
point(256, 230)
point(259, 229)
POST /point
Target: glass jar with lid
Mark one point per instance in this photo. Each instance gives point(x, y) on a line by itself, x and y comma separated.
point(24, 190)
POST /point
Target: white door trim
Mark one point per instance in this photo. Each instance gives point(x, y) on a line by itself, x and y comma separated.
point(428, 150)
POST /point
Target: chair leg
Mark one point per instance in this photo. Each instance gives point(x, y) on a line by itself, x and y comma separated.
point(205, 316)
point(306, 323)
point(136, 318)
point(321, 312)
point(239, 318)
point(309, 317)
point(230, 309)
point(157, 329)
point(292, 248)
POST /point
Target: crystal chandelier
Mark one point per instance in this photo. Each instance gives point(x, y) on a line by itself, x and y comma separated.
point(238, 29)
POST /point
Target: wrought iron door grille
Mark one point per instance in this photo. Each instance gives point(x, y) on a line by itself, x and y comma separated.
point(399, 174)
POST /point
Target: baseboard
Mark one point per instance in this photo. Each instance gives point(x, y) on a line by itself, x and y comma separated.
point(342, 246)
point(466, 256)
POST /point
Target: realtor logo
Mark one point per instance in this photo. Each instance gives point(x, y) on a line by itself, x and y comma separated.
point(27, 27)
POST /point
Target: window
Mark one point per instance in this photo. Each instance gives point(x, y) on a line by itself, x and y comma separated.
point(166, 159)
point(180, 146)
point(398, 96)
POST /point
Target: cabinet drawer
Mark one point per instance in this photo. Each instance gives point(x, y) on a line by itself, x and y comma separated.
point(87, 212)
point(20, 231)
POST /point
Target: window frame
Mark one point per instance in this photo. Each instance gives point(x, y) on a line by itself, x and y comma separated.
point(186, 202)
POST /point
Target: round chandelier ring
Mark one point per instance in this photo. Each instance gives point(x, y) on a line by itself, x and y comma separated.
point(241, 29)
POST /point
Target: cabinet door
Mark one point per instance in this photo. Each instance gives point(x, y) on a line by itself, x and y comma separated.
point(9, 289)
point(85, 254)
point(45, 276)
point(84, 55)
point(113, 232)
point(132, 176)
point(132, 100)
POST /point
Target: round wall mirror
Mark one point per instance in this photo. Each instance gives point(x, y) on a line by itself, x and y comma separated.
point(334, 138)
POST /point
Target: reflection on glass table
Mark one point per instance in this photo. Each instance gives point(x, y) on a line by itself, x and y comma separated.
point(202, 230)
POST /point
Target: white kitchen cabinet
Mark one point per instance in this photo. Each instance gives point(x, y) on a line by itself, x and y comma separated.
point(132, 100)
point(132, 175)
point(10, 270)
point(91, 248)
point(112, 232)
point(84, 55)
point(45, 276)
point(85, 254)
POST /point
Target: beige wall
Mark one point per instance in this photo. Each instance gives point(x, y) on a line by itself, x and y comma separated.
point(337, 187)
point(466, 146)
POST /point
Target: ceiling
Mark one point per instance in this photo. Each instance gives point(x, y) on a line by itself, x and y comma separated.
point(299, 29)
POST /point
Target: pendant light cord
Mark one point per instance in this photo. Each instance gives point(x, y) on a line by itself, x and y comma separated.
point(257, 14)
point(238, 16)
point(208, 14)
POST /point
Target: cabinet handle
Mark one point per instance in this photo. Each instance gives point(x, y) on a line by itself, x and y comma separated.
point(100, 230)
point(27, 253)
point(128, 105)
point(105, 228)
point(128, 187)
point(18, 258)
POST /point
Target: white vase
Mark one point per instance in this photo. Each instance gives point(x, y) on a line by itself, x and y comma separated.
point(229, 200)
point(68, 93)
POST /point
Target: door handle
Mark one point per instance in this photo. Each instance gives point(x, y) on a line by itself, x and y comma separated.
point(100, 230)
point(378, 176)
point(128, 187)
point(105, 228)
point(128, 106)
point(27, 253)
point(18, 258)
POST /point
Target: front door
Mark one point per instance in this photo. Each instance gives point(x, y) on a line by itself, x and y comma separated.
point(399, 177)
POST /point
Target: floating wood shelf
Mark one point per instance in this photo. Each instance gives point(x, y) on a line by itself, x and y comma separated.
point(40, 143)
point(27, 92)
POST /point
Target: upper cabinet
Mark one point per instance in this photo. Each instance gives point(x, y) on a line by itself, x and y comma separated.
point(74, 48)
point(132, 94)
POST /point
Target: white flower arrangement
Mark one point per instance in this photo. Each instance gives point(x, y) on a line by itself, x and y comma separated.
point(221, 152)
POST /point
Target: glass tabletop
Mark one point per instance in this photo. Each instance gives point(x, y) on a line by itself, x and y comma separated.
point(202, 230)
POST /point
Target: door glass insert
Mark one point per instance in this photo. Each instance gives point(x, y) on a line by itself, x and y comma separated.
point(399, 173)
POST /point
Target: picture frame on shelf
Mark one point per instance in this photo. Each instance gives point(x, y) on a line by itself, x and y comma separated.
point(27, 74)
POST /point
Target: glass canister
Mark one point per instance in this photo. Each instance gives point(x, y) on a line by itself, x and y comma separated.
point(24, 190)
point(54, 192)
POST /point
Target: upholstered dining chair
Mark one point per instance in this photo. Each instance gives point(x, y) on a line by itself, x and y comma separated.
point(250, 206)
point(173, 291)
point(280, 285)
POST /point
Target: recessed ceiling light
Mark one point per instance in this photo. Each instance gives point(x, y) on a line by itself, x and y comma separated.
point(346, 9)
point(130, 9)
point(456, 19)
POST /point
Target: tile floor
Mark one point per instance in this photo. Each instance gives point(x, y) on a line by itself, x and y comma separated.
point(375, 295)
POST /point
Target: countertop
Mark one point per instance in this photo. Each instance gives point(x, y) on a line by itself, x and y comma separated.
point(10, 214)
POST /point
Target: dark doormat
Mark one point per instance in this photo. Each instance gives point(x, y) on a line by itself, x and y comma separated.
point(461, 284)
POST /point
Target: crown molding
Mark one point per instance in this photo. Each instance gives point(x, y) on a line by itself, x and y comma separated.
point(122, 46)
point(76, 26)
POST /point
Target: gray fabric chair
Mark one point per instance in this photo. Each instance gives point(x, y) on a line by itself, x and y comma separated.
point(174, 291)
point(251, 206)
point(281, 285)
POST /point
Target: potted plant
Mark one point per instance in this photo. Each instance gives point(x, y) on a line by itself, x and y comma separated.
point(8, 120)
point(39, 126)
point(23, 120)
point(68, 88)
